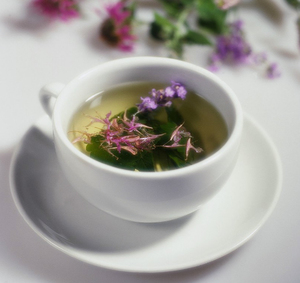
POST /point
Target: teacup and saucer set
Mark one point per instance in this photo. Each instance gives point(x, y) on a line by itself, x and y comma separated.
point(144, 221)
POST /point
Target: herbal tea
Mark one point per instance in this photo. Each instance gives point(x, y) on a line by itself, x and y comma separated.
point(148, 126)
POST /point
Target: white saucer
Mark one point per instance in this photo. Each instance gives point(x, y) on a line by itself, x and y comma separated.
point(64, 219)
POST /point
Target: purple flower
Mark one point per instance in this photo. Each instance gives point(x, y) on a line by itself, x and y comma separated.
point(273, 71)
point(147, 103)
point(179, 89)
point(162, 97)
point(158, 96)
point(116, 30)
point(232, 47)
point(57, 9)
point(175, 90)
point(169, 92)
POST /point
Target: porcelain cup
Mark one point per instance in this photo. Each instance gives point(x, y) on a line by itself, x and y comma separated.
point(143, 196)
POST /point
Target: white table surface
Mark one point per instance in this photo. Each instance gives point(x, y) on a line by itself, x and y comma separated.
point(33, 53)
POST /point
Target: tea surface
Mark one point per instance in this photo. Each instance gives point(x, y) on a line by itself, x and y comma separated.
point(200, 118)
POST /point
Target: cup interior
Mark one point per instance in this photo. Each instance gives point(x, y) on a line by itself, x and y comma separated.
point(142, 69)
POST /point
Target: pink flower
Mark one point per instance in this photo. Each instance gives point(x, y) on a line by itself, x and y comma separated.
point(189, 146)
point(116, 30)
point(226, 4)
point(57, 9)
point(119, 134)
point(117, 13)
point(176, 137)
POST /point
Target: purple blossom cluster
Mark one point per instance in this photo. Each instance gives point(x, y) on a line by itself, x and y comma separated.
point(233, 48)
point(58, 9)
point(162, 97)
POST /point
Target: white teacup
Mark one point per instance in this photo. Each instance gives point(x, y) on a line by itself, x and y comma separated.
point(143, 196)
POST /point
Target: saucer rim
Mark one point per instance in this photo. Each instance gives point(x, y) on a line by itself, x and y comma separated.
point(76, 252)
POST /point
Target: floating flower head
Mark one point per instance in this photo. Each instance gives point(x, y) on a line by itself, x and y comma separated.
point(121, 133)
point(116, 30)
point(58, 9)
point(162, 97)
point(176, 138)
point(176, 90)
point(147, 104)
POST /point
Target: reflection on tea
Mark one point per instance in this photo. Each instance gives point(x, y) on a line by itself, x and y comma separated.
point(148, 126)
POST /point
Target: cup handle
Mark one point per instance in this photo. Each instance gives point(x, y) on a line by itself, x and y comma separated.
point(48, 95)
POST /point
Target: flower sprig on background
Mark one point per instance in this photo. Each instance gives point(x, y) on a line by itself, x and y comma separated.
point(116, 30)
point(58, 9)
point(200, 22)
point(227, 39)
point(178, 24)
point(234, 49)
point(231, 47)
point(190, 22)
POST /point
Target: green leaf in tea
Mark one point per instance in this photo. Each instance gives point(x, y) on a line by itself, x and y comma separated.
point(124, 159)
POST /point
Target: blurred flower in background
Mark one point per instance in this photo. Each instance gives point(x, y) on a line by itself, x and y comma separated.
point(58, 9)
point(116, 30)
point(177, 24)
point(231, 47)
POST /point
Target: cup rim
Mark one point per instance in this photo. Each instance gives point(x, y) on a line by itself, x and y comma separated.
point(235, 134)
